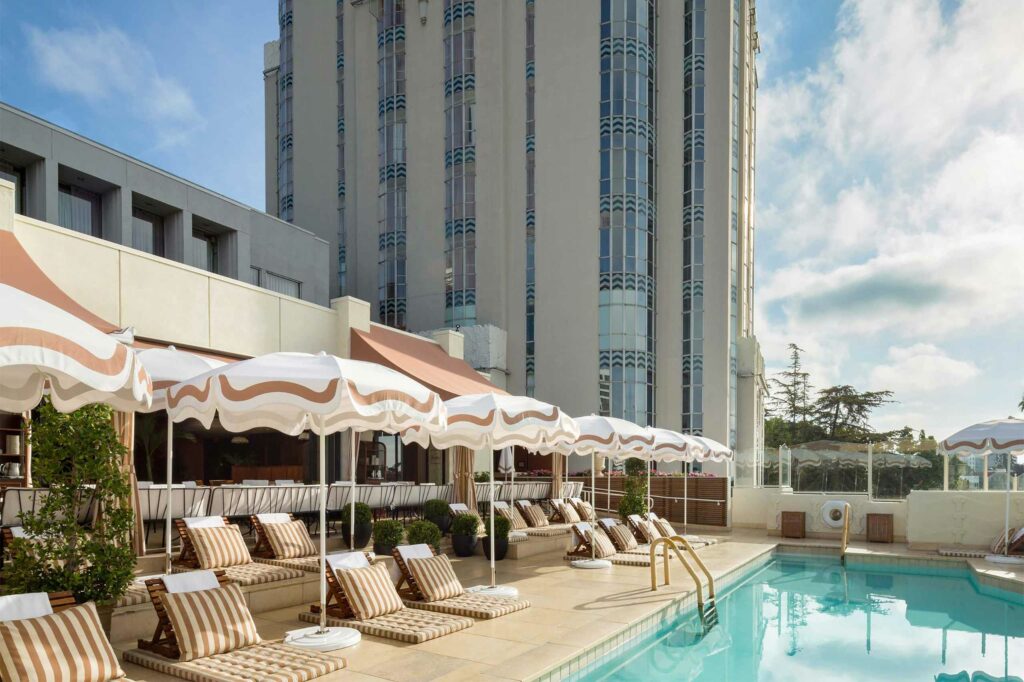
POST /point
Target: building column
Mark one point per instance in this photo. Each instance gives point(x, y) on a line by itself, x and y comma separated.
point(352, 313)
point(177, 232)
point(451, 341)
point(116, 212)
point(41, 191)
point(6, 206)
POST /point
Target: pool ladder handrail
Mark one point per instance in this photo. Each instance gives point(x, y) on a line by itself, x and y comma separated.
point(846, 533)
point(708, 615)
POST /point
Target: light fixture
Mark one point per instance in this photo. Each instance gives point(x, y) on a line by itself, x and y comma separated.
point(239, 440)
point(423, 12)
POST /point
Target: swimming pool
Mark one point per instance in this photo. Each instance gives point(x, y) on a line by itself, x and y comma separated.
point(810, 618)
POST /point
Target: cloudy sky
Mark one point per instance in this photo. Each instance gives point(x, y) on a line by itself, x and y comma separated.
point(890, 167)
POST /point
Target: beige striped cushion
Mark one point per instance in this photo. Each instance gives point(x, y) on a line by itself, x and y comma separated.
point(66, 646)
point(621, 537)
point(435, 578)
point(370, 591)
point(586, 511)
point(289, 540)
point(219, 547)
point(647, 531)
point(513, 515)
point(603, 547)
point(535, 516)
point(665, 528)
point(569, 514)
point(210, 621)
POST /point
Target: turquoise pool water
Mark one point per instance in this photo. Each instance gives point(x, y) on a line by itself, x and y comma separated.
point(809, 618)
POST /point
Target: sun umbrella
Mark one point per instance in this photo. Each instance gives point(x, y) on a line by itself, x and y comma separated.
point(491, 421)
point(295, 392)
point(166, 367)
point(672, 446)
point(995, 437)
point(44, 348)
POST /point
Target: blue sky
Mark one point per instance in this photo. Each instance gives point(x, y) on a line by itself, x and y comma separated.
point(890, 185)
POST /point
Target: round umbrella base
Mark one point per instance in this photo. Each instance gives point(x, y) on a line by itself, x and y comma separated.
point(591, 563)
point(506, 591)
point(328, 640)
point(1003, 559)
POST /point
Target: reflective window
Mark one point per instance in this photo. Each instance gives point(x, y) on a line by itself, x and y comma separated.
point(285, 185)
point(531, 217)
point(147, 232)
point(79, 210)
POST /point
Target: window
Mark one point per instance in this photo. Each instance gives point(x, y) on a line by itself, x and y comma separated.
point(282, 285)
point(79, 210)
point(204, 250)
point(17, 176)
point(147, 232)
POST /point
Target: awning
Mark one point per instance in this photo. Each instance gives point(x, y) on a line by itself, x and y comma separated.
point(421, 359)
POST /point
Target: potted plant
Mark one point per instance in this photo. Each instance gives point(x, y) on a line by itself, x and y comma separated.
point(502, 526)
point(78, 456)
point(436, 511)
point(634, 497)
point(424, 533)
point(364, 525)
point(464, 532)
point(387, 534)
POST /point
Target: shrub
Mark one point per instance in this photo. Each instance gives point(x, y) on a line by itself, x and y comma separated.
point(363, 513)
point(482, 477)
point(634, 497)
point(466, 524)
point(388, 532)
point(424, 533)
point(72, 452)
point(433, 509)
point(502, 526)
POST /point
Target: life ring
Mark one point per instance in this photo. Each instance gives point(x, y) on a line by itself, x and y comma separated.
point(833, 513)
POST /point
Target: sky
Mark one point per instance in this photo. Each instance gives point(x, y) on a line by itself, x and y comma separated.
point(890, 168)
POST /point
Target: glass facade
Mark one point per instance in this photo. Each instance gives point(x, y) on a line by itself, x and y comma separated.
point(459, 163)
point(340, 67)
point(147, 232)
point(285, 179)
point(391, 140)
point(628, 217)
point(79, 210)
point(693, 217)
point(531, 215)
point(734, 219)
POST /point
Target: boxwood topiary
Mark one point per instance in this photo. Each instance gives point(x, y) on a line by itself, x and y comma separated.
point(433, 509)
point(502, 526)
point(466, 524)
point(388, 533)
point(424, 533)
point(363, 513)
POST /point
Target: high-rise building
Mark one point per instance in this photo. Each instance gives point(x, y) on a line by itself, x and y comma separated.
point(569, 182)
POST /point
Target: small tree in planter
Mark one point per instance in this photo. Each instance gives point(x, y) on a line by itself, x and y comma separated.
point(424, 533)
point(78, 457)
point(464, 533)
point(502, 526)
point(634, 497)
point(437, 512)
point(387, 535)
point(364, 525)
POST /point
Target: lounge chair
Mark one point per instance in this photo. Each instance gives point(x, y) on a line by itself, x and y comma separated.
point(564, 512)
point(396, 621)
point(584, 509)
point(481, 606)
point(538, 520)
point(583, 534)
point(622, 537)
point(294, 547)
point(519, 525)
point(221, 623)
point(221, 547)
point(33, 637)
point(187, 555)
point(666, 530)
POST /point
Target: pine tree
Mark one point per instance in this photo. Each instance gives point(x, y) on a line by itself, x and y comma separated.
point(791, 389)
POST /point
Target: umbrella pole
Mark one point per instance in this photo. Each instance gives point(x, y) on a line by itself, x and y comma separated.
point(608, 482)
point(490, 520)
point(686, 486)
point(170, 501)
point(323, 529)
point(593, 497)
point(650, 498)
point(1006, 518)
point(352, 500)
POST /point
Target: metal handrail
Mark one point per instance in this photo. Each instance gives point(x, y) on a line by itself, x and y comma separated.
point(667, 571)
point(700, 563)
point(846, 533)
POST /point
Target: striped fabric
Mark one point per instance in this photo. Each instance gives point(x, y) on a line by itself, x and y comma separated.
point(603, 547)
point(621, 559)
point(266, 662)
point(647, 531)
point(68, 646)
point(435, 578)
point(306, 564)
point(370, 591)
point(219, 547)
point(407, 625)
point(210, 622)
point(621, 537)
point(586, 510)
point(514, 517)
point(481, 606)
point(665, 528)
point(289, 540)
point(569, 514)
point(535, 516)
point(549, 531)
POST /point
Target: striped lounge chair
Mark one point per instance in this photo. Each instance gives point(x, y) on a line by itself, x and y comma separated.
point(422, 583)
point(205, 633)
point(538, 520)
point(584, 509)
point(187, 555)
point(221, 547)
point(667, 531)
point(371, 604)
point(282, 541)
point(519, 525)
point(583, 534)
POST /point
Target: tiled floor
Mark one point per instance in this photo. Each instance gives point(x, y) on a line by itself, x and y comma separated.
point(572, 611)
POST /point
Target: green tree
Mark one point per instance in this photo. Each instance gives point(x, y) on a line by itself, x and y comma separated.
point(790, 389)
point(844, 412)
point(634, 486)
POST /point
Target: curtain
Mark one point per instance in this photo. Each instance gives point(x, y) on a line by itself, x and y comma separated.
point(465, 486)
point(124, 425)
point(557, 468)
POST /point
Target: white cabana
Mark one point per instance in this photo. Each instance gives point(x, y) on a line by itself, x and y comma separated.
point(295, 392)
point(491, 421)
point(166, 367)
point(46, 349)
point(995, 437)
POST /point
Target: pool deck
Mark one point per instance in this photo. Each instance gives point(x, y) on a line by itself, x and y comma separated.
point(573, 611)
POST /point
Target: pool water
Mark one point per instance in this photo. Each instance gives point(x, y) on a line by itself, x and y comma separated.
point(809, 618)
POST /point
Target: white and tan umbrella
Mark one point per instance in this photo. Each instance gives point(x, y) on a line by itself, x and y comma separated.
point(167, 367)
point(46, 349)
point(491, 421)
point(995, 437)
point(295, 392)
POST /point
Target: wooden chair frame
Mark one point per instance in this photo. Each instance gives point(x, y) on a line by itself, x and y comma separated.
point(164, 641)
point(589, 516)
point(520, 507)
point(262, 548)
point(187, 556)
point(410, 590)
point(639, 534)
point(337, 602)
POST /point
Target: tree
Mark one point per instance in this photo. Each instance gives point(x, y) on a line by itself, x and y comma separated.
point(791, 387)
point(844, 412)
point(634, 498)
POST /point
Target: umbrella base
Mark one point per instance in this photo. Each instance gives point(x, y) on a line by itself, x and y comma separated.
point(328, 640)
point(1004, 559)
point(506, 591)
point(591, 563)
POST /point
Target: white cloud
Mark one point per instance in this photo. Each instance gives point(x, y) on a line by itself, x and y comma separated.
point(106, 68)
point(919, 368)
